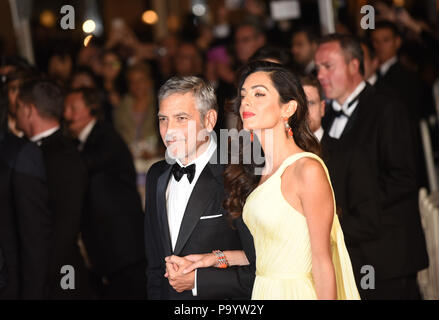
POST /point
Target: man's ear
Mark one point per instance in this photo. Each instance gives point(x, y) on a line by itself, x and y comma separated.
point(30, 110)
point(354, 66)
point(322, 108)
point(398, 41)
point(210, 119)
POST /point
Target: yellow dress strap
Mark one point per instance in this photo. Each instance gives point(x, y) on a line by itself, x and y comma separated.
point(293, 158)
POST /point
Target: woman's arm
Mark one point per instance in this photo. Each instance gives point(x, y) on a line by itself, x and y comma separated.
point(315, 195)
point(234, 258)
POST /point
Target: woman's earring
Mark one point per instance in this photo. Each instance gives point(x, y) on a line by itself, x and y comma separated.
point(288, 128)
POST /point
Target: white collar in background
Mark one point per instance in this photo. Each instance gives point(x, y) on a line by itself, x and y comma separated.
point(372, 79)
point(319, 133)
point(386, 65)
point(83, 135)
point(44, 134)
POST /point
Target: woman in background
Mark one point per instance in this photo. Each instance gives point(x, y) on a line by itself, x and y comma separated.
point(135, 118)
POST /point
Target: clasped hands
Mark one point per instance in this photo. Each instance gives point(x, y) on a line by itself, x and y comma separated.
point(180, 271)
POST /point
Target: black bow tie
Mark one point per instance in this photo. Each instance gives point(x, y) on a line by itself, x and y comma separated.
point(179, 172)
point(339, 113)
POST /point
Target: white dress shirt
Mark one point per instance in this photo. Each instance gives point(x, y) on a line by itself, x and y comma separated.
point(340, 122)
point(179, 192)
point(38, 137)
point(83, 135)
point(319, 133)
point(386, 65)
point(372, 79)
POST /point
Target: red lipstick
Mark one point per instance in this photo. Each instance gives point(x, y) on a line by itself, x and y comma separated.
point(247, 114)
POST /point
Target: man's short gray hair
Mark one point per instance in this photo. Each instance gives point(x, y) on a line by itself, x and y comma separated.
point(204, 94)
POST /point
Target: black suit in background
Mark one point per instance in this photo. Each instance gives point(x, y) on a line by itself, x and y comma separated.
point(406, 86)
point(66, 180)
point(3, 272)
point(25, 219)
point(195, 236)
point(372, 168)
point(113, 217)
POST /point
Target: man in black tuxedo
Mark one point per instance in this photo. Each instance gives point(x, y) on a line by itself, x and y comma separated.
point(368, 150)
point(26, 222)
point(394, 78)
point(303, 46)
point(391, 73)
point(38, 113)
point(112, 228)
point(184, 196)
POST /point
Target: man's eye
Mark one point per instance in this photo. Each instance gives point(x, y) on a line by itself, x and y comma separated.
point(181, 118)
point(162, 119)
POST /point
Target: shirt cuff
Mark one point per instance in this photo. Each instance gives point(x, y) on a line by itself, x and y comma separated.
point(194, 290)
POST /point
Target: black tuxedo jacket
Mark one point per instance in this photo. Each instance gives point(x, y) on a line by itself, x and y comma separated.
point(372, 168)
point(407, 85)
point(66, 180)
point(113, 218)
point(25, 219)
point(196, 236)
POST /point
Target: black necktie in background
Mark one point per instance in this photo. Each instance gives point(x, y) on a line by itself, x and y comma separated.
point(178, 172)
point(339, 113)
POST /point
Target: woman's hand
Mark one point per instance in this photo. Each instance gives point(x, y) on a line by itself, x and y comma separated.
point(200, 261)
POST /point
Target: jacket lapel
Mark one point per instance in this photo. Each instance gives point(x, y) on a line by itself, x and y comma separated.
point(162, 183)
point(205, 189)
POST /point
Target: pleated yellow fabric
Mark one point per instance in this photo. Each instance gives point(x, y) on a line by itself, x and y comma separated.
point(283, 248)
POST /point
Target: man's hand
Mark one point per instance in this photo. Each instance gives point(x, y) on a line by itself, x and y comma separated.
point(174, 272)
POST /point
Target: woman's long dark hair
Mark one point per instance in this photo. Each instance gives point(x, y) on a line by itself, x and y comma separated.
point(240, 179)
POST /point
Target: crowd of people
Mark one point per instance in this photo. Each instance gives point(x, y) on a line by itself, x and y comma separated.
point(345, 112)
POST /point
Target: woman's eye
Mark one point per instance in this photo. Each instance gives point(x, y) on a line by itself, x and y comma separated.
point(259, 94)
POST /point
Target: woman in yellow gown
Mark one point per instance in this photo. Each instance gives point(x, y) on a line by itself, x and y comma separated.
point(290, 210)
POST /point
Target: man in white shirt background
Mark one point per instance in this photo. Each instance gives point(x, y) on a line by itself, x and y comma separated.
point(38, 113)
point(371, 160)
point(112, 229)
point(303, 48)
point(316, 104)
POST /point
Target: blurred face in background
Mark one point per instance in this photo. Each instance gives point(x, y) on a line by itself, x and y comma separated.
point(385, 43)
point(13, 87)
point(302, 49)
point(111, 66)
point(316, 107)
point(247, 42)
point(89, 56)
point(76, 114)
point(139, 83)
point(370, 64)
point(337, 76)
point(60, 66)
point(82, 80)
point(187, 60)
